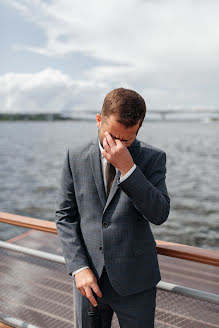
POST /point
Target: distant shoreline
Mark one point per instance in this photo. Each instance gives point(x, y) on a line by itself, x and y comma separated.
point(50, 117)
point(34, 117)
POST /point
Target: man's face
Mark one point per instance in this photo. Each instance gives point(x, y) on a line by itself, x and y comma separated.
point(116, 130)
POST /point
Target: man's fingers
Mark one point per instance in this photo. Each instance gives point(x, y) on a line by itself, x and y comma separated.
point(90, 296)
point(82, 291)
point(96, 289)
point(106, 145)
point(110, 140)
point(106, 155)
point(118, 142)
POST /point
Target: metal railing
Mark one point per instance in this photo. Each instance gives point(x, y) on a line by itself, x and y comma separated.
point(176, 250)
point(14, 322)
point(188, 297)
point(210, 297)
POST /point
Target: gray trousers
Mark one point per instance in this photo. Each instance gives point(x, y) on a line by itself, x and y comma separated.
point(133, 311)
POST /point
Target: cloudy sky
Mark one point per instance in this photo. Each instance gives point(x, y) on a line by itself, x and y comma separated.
point(65, 55)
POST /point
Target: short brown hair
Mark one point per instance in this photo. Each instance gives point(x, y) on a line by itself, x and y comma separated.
point(127, 104)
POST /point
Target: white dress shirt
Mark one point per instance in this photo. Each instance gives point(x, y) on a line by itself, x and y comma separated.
point(122, 177)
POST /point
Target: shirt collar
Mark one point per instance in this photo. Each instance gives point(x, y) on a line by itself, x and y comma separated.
point(101, 148)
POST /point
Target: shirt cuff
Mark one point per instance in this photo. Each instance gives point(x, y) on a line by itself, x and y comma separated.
point(121, 178)
point(76, 271)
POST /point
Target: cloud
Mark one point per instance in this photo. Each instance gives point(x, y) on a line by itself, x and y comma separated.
point(47, 91)
point(156, 36)
point(166, 50)
point(50, 90)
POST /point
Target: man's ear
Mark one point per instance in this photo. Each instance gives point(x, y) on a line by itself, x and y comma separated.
point(99, 120)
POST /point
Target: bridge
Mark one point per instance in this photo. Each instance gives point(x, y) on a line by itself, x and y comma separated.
point(158, 114)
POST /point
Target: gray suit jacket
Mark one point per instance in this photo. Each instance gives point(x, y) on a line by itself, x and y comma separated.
point(95, 230)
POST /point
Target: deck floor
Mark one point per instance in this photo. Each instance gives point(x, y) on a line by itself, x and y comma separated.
point(173, 270)
point(45, 290)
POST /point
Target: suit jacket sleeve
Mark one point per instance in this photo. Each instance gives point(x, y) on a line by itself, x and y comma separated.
point(149, 194)
point(67, 221)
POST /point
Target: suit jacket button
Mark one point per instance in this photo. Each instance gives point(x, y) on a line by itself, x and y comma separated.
point(101, 248)
point(105, 224)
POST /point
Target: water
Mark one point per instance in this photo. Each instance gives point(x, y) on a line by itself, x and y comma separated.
point(31, 156)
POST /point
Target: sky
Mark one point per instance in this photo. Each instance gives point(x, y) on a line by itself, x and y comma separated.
point(64, 56)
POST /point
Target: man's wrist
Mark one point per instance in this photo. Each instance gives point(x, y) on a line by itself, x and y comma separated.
point(125, 170)
point(80, 269)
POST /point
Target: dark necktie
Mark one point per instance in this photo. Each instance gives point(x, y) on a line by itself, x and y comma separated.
point(96, 317)
point(110, 175)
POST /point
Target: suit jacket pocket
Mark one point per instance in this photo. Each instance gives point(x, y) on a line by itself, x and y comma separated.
point(143, 247)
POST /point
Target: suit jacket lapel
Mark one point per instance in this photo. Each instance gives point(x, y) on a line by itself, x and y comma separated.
point(96, 164)
point(97, 170)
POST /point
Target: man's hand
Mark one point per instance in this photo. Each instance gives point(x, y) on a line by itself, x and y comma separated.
point(85, 280)
point(117, 154)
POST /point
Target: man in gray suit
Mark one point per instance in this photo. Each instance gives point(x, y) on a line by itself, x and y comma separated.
point(111, 189)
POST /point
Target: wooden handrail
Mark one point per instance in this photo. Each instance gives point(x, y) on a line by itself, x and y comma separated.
point(28, 222)
point(186, 252)
point(3, 325)
point(181, 251)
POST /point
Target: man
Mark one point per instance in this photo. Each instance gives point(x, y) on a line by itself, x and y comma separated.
point(110, 190)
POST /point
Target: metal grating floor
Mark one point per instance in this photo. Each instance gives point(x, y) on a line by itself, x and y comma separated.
point(36, 291)
point(40, 292)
